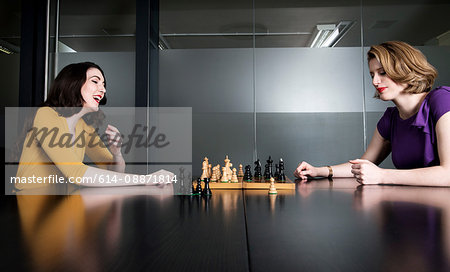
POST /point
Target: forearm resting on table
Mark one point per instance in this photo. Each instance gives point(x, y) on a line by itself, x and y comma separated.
point(430, 176)
point(339, 170)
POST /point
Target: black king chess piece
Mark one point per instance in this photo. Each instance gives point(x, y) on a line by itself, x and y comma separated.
point(277, 172)
point(198, 191)
point(281, 175)
point(258, 169)
point(248, 173)
point(206, 190)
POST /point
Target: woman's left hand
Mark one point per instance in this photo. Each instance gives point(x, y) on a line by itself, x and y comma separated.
point(366, 172)
point(114, 140)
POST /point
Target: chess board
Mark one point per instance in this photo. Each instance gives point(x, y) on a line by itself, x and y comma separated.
point(245, 185)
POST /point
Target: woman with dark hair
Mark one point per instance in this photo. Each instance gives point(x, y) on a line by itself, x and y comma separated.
point(59, 137)
point(416, 131)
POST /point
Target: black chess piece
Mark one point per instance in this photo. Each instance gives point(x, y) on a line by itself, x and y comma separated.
point(270, 169)
point(206, 190)
point(258, 174)
point(266, 172)
point(198, 191)
point(281, 175)
point(277, 172)
point(248, 173)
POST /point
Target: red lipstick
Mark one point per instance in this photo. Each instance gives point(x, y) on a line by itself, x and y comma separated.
point(381, 89)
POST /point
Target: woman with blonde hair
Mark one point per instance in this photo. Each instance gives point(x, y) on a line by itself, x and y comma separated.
point(416, 130)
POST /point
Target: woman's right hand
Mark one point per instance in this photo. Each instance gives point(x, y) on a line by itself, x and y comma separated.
point(304, 170)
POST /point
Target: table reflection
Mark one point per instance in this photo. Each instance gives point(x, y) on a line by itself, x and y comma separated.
point(413, 222)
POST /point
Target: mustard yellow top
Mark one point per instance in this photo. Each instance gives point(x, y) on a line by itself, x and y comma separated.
point(49, 149)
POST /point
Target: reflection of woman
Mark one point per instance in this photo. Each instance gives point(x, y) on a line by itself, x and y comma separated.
point(59, 138)
point(416, 131)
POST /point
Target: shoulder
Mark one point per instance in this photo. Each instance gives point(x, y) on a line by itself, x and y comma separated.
point(47, 116)
point(439, 101)
point(389, 112)
point(46, 111)
point(439, 95)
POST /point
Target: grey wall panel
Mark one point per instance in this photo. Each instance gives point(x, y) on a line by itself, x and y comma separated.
point(208, 80)
point(119, 71)
point(318, 138)
point(309, 79)
point(215, 135)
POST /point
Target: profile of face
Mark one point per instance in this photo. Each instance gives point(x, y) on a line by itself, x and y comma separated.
point(385, 86)
point(93, 90)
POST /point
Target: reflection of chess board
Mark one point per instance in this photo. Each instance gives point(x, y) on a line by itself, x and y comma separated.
point(254, 185)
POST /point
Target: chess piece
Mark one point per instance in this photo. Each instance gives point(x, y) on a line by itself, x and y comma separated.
point(204, 168)
point(248, 173)
point(272, 188)
point(266, 172)
point(277, 172)
point(234, 177)
point(198, 191)
point(270, 169)
point(241, 171)
point(258, 169)
point(281, 175)
point(192, 189)
point(209, 171)
point(218, 173)
point(214, 176)
point(224, 178)
point(207, 190)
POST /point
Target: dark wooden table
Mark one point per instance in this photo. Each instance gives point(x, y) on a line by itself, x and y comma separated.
point(321, 226)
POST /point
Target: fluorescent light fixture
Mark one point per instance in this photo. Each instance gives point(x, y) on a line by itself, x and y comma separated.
point(323, 31)
point(8, 48)
point(329, 35)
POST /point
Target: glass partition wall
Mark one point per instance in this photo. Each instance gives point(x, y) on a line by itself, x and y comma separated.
point(286, 79)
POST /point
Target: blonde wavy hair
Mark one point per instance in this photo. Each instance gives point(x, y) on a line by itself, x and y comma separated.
point(404, 64)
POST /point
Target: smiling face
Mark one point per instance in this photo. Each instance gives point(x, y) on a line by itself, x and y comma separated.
point(385, 86)
point(93, 90)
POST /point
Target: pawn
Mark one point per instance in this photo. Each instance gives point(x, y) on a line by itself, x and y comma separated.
point(234, 177)
point(198, 191)
point(248, 173)
point(224, 178)
point(241, 171)
point(272, 188)
point(207, 190)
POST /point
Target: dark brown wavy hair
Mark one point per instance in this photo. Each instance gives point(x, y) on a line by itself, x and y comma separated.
point(65, 93)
